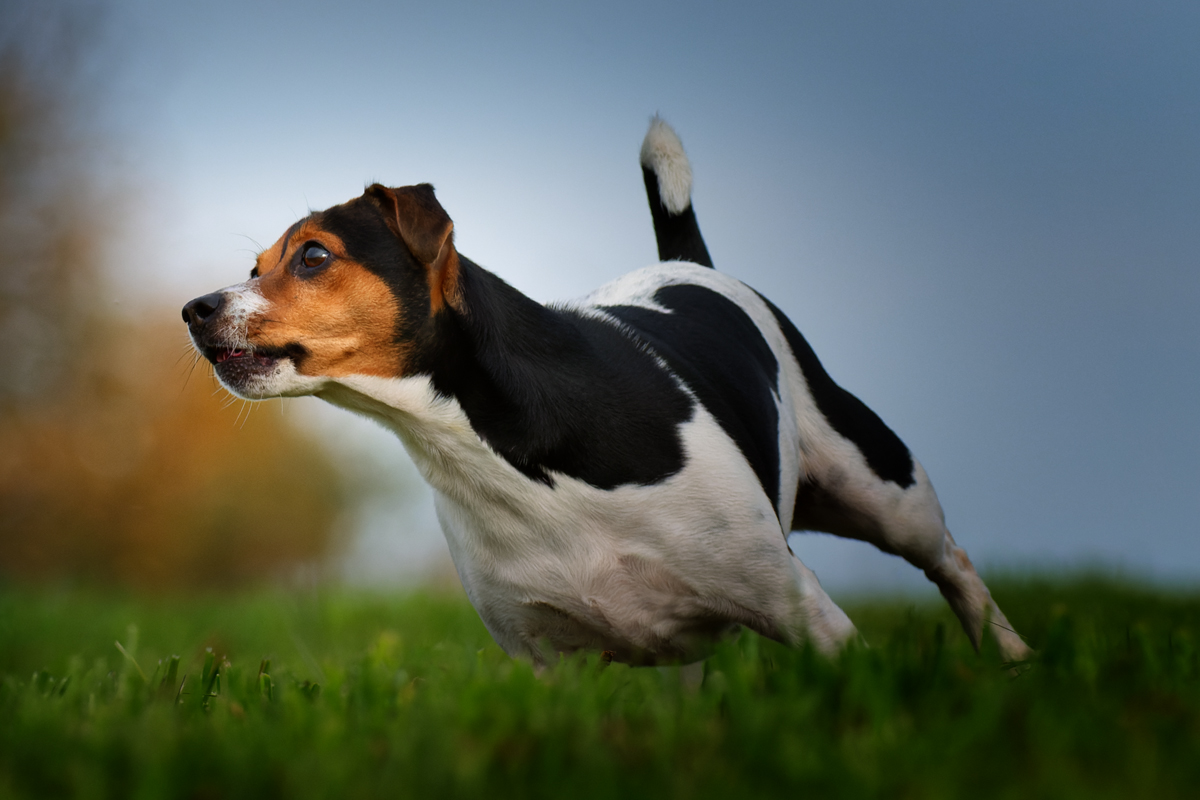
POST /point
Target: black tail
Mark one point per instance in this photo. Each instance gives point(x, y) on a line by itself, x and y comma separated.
point(669, 189)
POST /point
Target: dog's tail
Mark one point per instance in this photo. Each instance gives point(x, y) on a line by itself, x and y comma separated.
point(669, 188)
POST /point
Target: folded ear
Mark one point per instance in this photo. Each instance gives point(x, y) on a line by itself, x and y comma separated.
point(415, 215)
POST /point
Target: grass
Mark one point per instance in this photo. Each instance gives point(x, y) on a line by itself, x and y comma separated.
point(338, 694)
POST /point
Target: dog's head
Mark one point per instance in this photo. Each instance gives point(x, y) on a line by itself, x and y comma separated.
point(352, 290)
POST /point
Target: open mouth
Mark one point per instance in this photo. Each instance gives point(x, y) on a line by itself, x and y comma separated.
point(223, 354)
point(231, 356)
point(245, 371)
point(263, 357)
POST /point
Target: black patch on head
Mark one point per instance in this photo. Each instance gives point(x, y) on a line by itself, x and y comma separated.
point(886, 455)
point(363, 230)
point(717, 350)
point(678, 235)
point(551, 390)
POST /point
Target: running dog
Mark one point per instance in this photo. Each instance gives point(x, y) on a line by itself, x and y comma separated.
point(617, 473)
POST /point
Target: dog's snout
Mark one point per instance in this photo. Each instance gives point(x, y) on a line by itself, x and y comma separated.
point(199, 310)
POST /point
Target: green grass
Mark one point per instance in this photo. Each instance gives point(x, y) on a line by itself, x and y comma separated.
point(407, 696)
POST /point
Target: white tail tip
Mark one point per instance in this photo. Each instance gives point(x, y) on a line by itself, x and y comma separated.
point(662, 154)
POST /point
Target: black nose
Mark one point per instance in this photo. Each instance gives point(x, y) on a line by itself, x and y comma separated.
point(196, 312)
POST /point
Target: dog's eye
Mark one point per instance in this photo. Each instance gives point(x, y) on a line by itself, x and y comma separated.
point(315, 256)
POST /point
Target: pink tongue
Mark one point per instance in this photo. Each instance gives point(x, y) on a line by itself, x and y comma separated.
point(227, 354)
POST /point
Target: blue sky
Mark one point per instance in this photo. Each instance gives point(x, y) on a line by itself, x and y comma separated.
point(983, 216)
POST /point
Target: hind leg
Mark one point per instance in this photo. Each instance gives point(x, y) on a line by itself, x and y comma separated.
point(909, 522)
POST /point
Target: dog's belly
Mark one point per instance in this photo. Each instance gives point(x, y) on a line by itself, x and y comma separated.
point(654, 574)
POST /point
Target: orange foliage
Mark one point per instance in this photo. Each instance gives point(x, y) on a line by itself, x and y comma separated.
point(113, 467)
point(140, 477)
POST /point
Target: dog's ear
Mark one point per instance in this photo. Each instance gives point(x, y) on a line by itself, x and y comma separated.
point(415, 215)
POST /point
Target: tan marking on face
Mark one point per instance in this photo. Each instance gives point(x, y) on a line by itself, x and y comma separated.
point(344, 315)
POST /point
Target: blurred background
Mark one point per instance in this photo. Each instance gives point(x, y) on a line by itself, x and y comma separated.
point(984, 219)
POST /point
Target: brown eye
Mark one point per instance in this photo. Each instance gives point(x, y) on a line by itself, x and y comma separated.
point(315, 256)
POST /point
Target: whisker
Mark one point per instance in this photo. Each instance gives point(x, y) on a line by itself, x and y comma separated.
point(252, 241)
point(249, 408)
point(188, 377)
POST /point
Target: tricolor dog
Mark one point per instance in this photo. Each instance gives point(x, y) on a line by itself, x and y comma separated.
point(619, 472)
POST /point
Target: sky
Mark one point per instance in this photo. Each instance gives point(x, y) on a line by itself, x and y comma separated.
point(982, 216)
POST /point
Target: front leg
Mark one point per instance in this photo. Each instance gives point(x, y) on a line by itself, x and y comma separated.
point(815, 617)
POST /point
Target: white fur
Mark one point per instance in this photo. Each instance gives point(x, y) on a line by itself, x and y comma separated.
point(662, 154)
point(284, 381)
point(240, 302)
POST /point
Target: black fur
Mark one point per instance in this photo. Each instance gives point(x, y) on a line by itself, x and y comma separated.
point(678, 235)
point(362, 228)
point(552, 390)
point(717, 350)
point(886, 455)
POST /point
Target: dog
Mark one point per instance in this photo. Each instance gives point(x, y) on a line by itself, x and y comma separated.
point(618, 473)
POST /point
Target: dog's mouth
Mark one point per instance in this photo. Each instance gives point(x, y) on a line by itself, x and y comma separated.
point(251, 371)
point(263, 357)
point(246, 371)
point(223, 354)
point(220, 355)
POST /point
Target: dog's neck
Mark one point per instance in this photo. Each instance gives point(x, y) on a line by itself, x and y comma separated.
point(546, 389)
point(509, 367)
point(517, 368)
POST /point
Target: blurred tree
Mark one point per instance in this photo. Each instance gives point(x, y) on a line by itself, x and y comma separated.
point(114, 466)
point(45, 222)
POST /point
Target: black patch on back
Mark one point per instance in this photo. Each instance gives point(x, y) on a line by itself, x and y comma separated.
point(678, 235)
point(717, 350)
point(554, 390)
point(886, 455)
